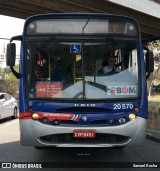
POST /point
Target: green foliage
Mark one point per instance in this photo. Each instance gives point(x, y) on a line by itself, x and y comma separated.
point(2, 73)
point(7, 74)
point(10, 74)
point(11, 77)
point(8, 82)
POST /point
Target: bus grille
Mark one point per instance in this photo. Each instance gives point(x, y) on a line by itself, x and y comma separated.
point(100, 138)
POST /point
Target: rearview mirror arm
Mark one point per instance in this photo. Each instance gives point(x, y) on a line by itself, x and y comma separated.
point(16, 74)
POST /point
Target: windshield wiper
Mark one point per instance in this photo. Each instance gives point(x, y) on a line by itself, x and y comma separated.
point(97, 85)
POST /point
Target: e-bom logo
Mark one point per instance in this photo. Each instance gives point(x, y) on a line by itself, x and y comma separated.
point(121, 90)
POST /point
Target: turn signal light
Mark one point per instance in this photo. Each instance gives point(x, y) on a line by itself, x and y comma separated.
point(132, 116)
point(35, 116)
point(136, 109)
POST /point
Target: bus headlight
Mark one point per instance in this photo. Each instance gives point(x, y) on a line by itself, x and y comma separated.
point(35, 116)
point(132, 116)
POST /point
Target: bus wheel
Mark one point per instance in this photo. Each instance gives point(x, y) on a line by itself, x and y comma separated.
point(14, 113)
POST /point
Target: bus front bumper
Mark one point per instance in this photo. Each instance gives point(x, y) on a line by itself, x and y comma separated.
point(34, 133)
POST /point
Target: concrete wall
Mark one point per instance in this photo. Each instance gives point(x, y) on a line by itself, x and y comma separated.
point(10, 86)
point(154, 116)
point(147, 6)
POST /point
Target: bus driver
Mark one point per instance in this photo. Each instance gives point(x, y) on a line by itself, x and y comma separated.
point(111, 67)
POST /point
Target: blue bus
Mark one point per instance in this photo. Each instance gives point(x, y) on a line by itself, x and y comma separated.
point(67, 96)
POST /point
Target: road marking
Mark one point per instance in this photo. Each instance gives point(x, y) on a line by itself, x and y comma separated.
point(9, 122)
point(12, 122)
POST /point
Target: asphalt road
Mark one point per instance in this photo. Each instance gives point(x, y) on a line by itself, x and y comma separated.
point(79, 159)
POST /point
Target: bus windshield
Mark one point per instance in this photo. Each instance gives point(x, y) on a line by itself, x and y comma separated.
point(67, 62)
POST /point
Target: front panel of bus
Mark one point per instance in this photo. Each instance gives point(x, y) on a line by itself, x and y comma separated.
point(66, 98)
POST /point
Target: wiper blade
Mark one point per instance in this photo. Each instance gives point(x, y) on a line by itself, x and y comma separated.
point(97, 85)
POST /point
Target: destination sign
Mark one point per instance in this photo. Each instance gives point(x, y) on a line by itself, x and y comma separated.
point(81, 26)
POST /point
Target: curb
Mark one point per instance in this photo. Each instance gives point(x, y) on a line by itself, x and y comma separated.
point(153, 135)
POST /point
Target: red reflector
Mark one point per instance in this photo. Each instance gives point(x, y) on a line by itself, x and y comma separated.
point(84, 133)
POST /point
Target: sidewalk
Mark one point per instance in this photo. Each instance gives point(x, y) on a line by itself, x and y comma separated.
point(153, 135)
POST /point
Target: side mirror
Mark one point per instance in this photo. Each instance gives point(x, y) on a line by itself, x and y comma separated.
point(11, 54)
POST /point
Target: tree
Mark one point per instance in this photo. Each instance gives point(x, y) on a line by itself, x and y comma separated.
point(9, 83)
point(10, 74)
point(155, 46)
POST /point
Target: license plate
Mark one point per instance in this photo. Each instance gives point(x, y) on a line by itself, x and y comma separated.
point(84, 133)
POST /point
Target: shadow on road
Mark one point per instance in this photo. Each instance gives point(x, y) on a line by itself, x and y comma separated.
point(70, 159)
point(5, 120)
point(13, 151)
